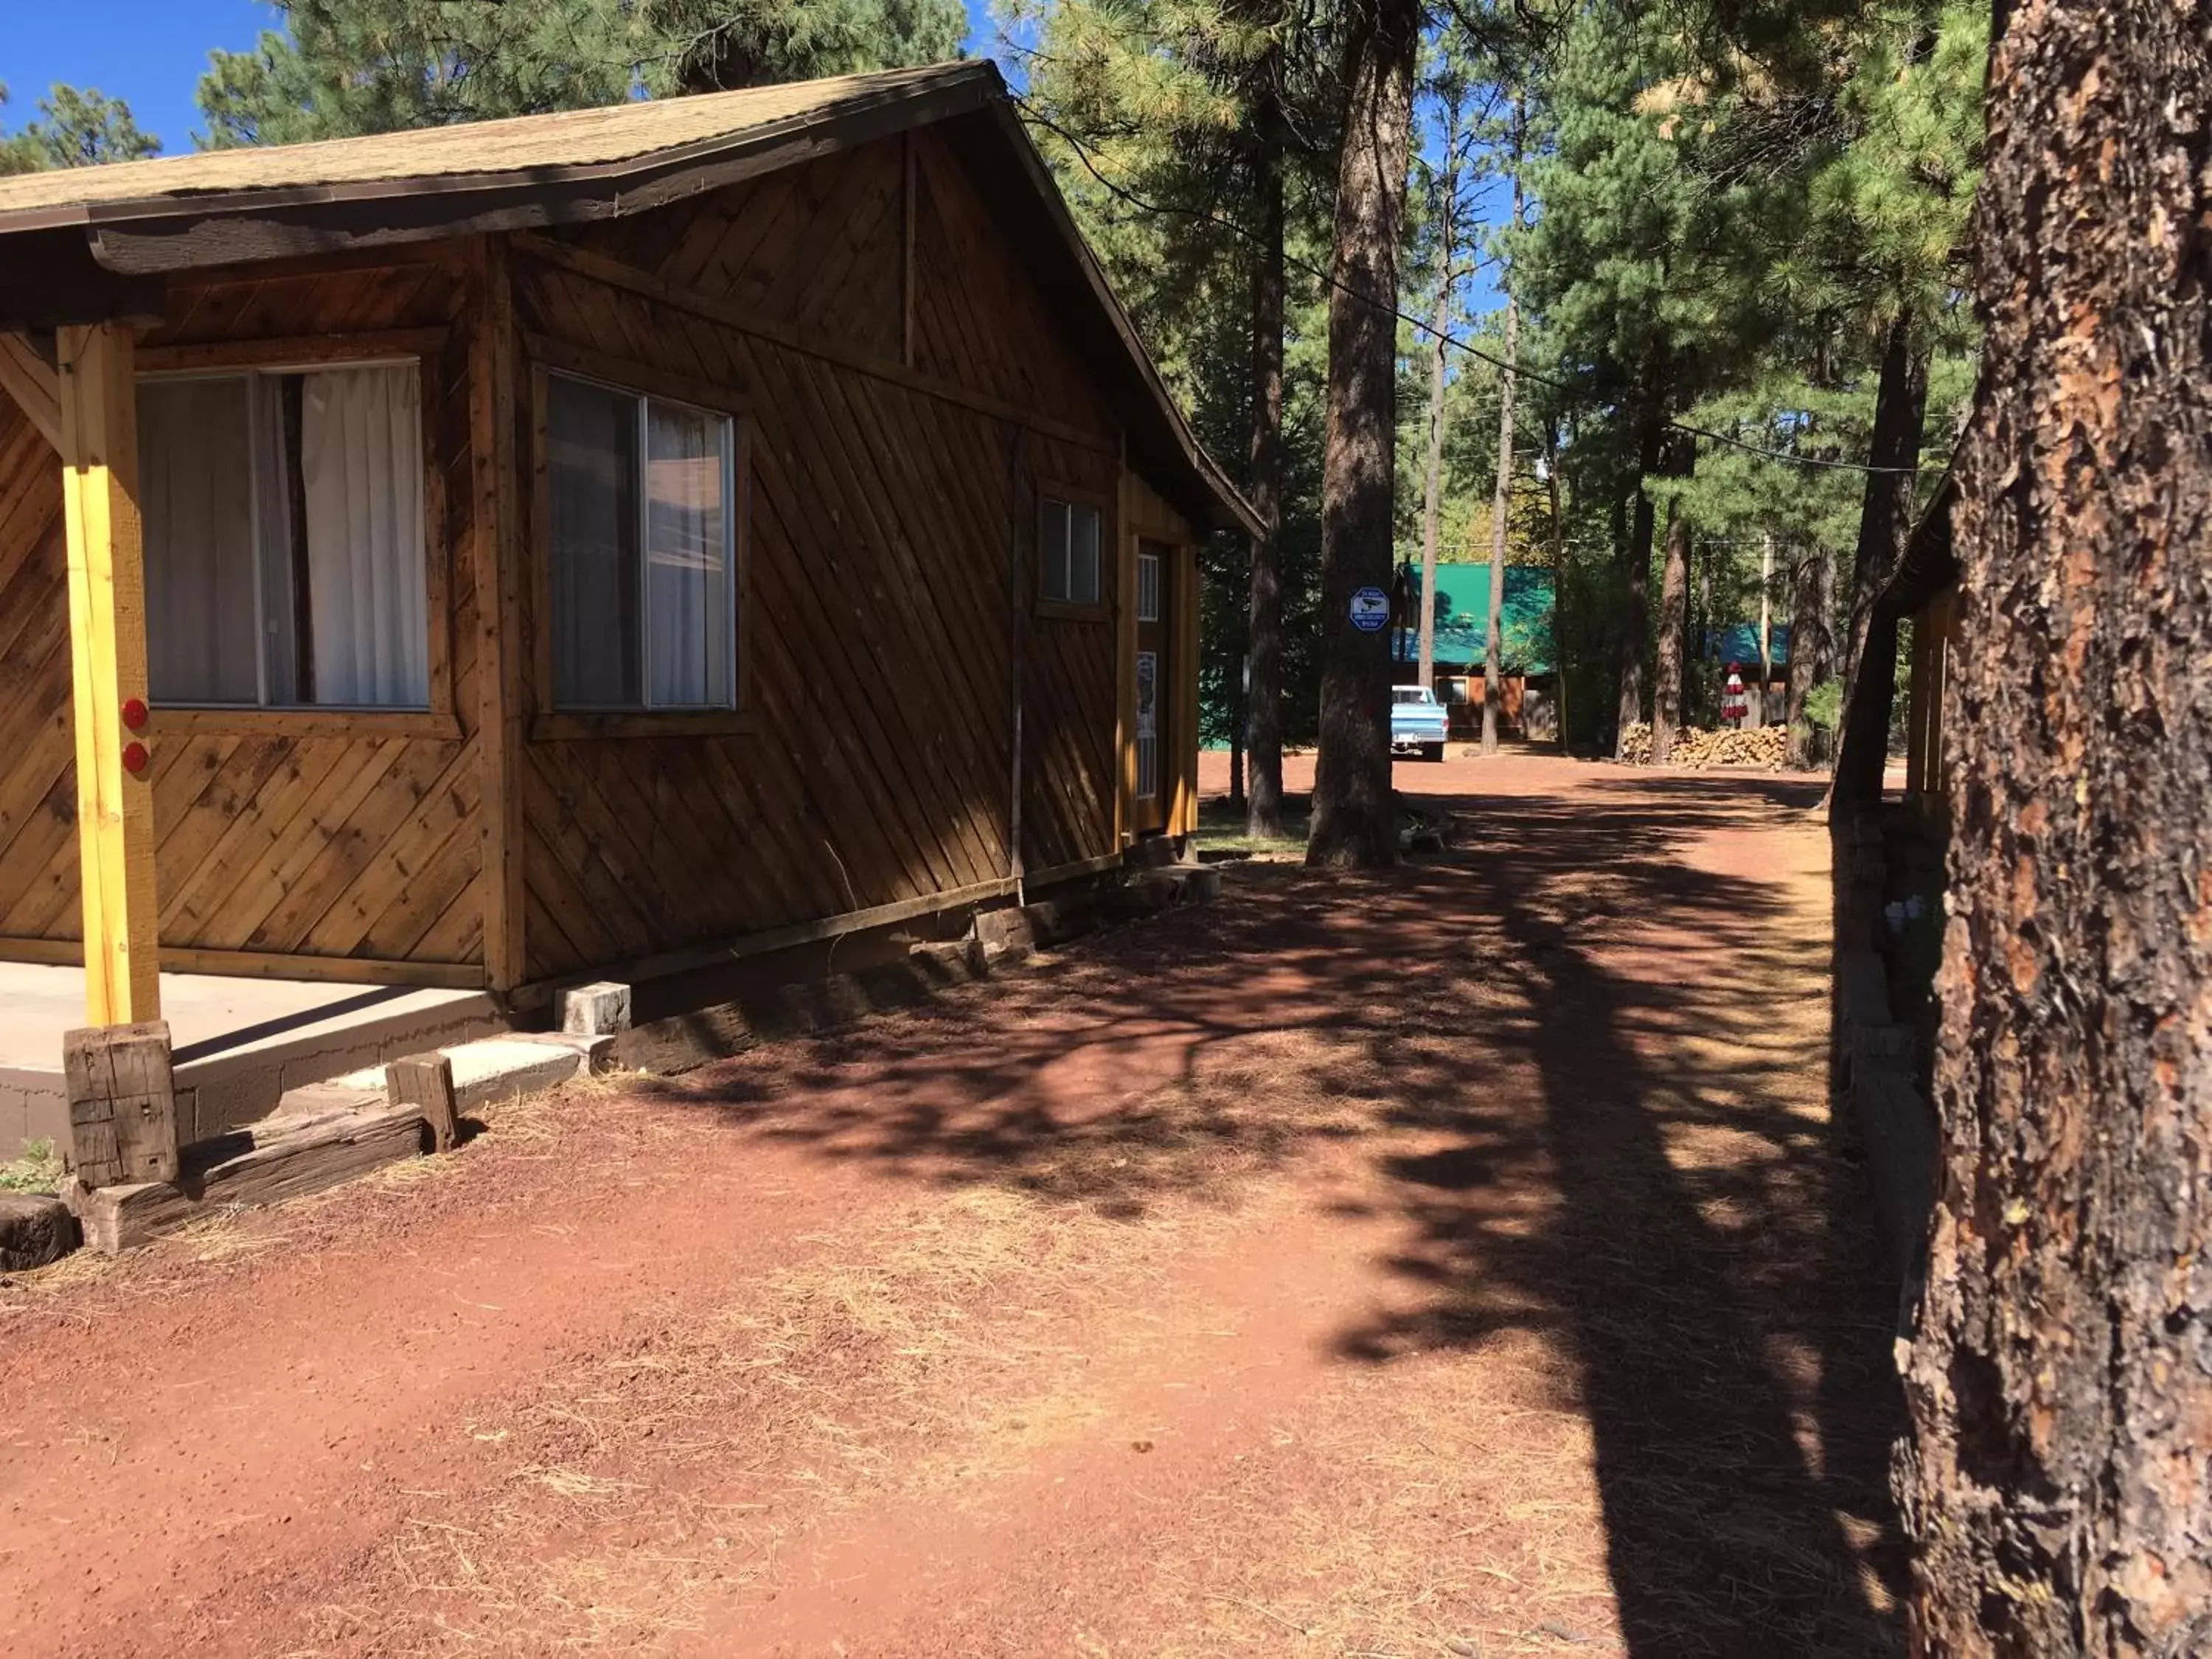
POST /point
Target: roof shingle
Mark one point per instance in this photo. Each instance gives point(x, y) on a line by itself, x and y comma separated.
point(520, 145)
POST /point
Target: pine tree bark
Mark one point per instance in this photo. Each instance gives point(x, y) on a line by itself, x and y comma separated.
point(1432, 487)
point(1501, 512)
point(1354, 822)
point(1559, 584)
point(1805, 651)
point(1636, 579)
point(1900, 407)
point(1432, 490)
point(2061, 1379)
point(1263, 659)
point(1674, 620)
point(1765, 629)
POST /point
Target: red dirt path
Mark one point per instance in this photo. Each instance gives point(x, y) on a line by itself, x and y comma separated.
point(1458, 1260)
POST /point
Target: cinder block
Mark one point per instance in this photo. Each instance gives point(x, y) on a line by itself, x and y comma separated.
point(1001, 932)
point(597, 1009)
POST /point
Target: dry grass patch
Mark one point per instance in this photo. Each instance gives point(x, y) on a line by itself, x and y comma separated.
point(676, 1467)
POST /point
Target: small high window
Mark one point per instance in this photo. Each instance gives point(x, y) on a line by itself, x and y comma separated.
point(285, 564)
point(641, 494)
point(1068, 553)
point(1148, 588)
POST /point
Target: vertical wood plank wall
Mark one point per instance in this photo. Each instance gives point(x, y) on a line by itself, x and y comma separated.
point(907, 388)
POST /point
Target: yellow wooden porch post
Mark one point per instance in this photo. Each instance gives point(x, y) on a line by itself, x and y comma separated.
point(108, 659)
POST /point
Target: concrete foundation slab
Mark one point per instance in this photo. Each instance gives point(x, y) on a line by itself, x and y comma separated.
point(238, 1043)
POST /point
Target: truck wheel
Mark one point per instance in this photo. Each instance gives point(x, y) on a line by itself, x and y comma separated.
point(1432, 751)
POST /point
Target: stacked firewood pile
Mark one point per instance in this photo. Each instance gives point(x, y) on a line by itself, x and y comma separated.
point(1760, 746)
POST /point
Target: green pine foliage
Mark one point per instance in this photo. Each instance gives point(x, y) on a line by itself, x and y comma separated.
point(342, 67)
point(79, 127)
point(1731, 202)
point(1143, 113)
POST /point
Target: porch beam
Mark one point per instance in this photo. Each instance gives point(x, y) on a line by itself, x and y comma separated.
point(1183, 820)
point(28, 376)
point(99, 446)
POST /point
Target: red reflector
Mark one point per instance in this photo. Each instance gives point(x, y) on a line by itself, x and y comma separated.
point(134, 758)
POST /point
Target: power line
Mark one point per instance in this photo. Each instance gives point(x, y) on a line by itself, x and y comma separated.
point(1083, 154)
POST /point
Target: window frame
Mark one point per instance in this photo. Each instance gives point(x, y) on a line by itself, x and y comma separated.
point(423, 349)
point(1098, 610)
point(549, 723)
point(1156, 564)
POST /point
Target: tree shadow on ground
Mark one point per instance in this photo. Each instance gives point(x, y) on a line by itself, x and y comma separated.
point(1574, 1127)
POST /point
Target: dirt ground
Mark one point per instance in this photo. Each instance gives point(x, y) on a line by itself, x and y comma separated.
point(1453, 1261)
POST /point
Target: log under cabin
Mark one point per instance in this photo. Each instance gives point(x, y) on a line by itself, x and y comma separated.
point(481, 555)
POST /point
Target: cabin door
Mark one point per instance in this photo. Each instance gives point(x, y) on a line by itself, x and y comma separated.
point(1155, 677)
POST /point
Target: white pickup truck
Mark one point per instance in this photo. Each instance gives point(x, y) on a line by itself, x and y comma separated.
point(1417, 722)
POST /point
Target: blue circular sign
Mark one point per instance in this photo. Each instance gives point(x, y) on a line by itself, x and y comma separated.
point(1370, 611)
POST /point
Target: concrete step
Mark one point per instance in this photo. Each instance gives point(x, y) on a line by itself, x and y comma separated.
point(323, 1133)
point(491, 1068)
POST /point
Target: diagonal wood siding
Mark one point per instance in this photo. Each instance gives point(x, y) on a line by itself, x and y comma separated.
point(878, 639)
point(318, 846)
point(908, 392)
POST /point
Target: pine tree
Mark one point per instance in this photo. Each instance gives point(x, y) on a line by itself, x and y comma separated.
point(340, 67)
point(1494, 680)
point(81, 128)
point(1354, 820)
point(2061, 1378)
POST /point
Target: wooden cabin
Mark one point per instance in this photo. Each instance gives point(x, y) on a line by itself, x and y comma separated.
point(492, 556)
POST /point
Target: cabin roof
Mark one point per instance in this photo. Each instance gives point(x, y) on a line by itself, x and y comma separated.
point(77, 244)
point(1462, 630)
point(430, 157)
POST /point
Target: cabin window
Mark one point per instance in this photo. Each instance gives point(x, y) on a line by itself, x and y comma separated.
point(643, 550)
point(1148, 725)
point(1068, 553)
point(1148, 588)
point(285, 547)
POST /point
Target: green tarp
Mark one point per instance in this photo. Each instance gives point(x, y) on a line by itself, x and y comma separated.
point(1463, 618)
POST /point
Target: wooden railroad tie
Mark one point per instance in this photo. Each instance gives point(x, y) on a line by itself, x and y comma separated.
point(122, 1103)
point(426, 1082)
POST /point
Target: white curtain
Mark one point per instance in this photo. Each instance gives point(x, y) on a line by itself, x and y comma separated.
point(687, 600)
point(361, 464)
point(196, 495)
point(272, 523)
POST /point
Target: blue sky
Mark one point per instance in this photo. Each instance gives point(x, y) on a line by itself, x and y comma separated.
point(151, 53)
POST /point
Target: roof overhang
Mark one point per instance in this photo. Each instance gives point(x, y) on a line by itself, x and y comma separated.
point(87, 261)
point(152, 235)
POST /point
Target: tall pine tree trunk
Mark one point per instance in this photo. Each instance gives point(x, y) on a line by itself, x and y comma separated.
point(1635, 584)
point(1765, 629)
point(1432, 487)
point(1354, 822)
point(2061, 1380)
point(1558, 584)
point(1263, 659)
point(1805, 649)
point(1674, 608)
point(1501, 511)
point(1901, 404)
